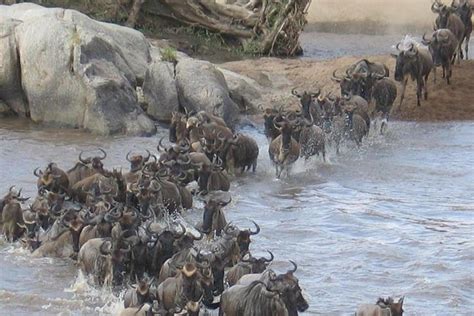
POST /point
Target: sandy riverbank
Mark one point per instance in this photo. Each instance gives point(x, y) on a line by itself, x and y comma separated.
point(445, 103)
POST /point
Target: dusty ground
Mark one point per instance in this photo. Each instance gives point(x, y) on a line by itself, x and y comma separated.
point(454, 102)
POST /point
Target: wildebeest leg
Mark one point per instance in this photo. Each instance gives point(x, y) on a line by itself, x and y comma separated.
point(466, 45)
point(444, 72)
point(460, 53)
point(448, 72)
point(254, 166)
point(425, 86)
point(419, 86)
point(402, 96)
point(434, 74)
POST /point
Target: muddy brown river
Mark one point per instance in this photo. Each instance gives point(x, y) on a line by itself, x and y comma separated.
point(395, 217)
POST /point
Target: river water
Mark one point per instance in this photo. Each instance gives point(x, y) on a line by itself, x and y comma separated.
point(395, 217)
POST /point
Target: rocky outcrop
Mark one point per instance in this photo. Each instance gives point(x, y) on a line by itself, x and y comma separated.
point(163, 101)
point(60, 67)
point(202, 87)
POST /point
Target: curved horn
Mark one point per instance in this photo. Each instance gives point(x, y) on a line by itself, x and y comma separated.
point(257, 229)
point(425, 41)
point(295, 267)
point(128, 156)
point(145, 159)
point(160, 144)
point(35, 172)
point(84, 161)
point(105, 154)
point(295, 93)
point(435, 7)
point(315, 94)
point(11, 188)
point(335, 77)
point(271, 257)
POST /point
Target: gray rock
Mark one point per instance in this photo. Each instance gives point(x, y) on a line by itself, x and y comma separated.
point(10, 81)
point(246, 92)
point(202, 87)
point(81, 73)
point(5, 109)
point(159, 90)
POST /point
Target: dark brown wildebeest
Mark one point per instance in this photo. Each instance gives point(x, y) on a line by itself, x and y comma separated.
point(357, 79)
point(12, 215)
point(139, 293)
point(384, 93)
point(247, 266)
point(269, 117)
point(162, 247)
point(284, 150)
point(86, 167)
point(355, 126)
point(52, 179)
point(176, 292)
point(311, 139)
point(383, 307)
point(100, 258)
point(416, 62)
point(240, 152)
point(442, 46)
point(464, 10)
point(276, 295)
point(213, 216)
point(448, 19)
point(309, 108)
point(213, 178)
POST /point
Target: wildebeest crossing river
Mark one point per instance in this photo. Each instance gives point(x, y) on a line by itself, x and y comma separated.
point(395, 217)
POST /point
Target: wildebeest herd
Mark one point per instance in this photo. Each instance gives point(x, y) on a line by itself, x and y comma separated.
point(124, 228)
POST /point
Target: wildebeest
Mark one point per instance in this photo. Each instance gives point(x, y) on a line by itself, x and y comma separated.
point(312, 140)
point(247, 266)
point(309, 108)
point(12, 215)
point(86, 167)
point(176, 292)
point(284, 150)
point(416, 62)
point(52, 179)
point(213, 178)
point(383, 307)
point(138, 294)
point(279, 295)
point(358, 78)
point(104, 260)
point(240, 152)
point(213, 216)
point(442, 46)
point(355, 126)
point(464, 10)
point(269, 117)
point(384, 93)
point(162, 247)
point(447, 19)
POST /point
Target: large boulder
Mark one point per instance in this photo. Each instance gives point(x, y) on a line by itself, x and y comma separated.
point(159, 90)
point(10, 81)
point(246, 92)
point(201, 86)
point(82, 73)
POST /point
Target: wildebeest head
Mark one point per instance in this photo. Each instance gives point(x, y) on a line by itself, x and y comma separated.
point(396, 309)
point(137, 161)
point(258, 264)
point(306, 99)
point(243, 238)
point(95, 162)
point(114, 263)
point(287, 285)
point(439, 40)
point(11, 196)
point(443, 12)
point(213, 205)
point(191, 279)
point(406, 61)
point(463, 9)
point(269, 116)
point(285, 127)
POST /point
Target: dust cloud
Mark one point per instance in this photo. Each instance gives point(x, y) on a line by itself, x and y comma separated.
point(390, 15)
